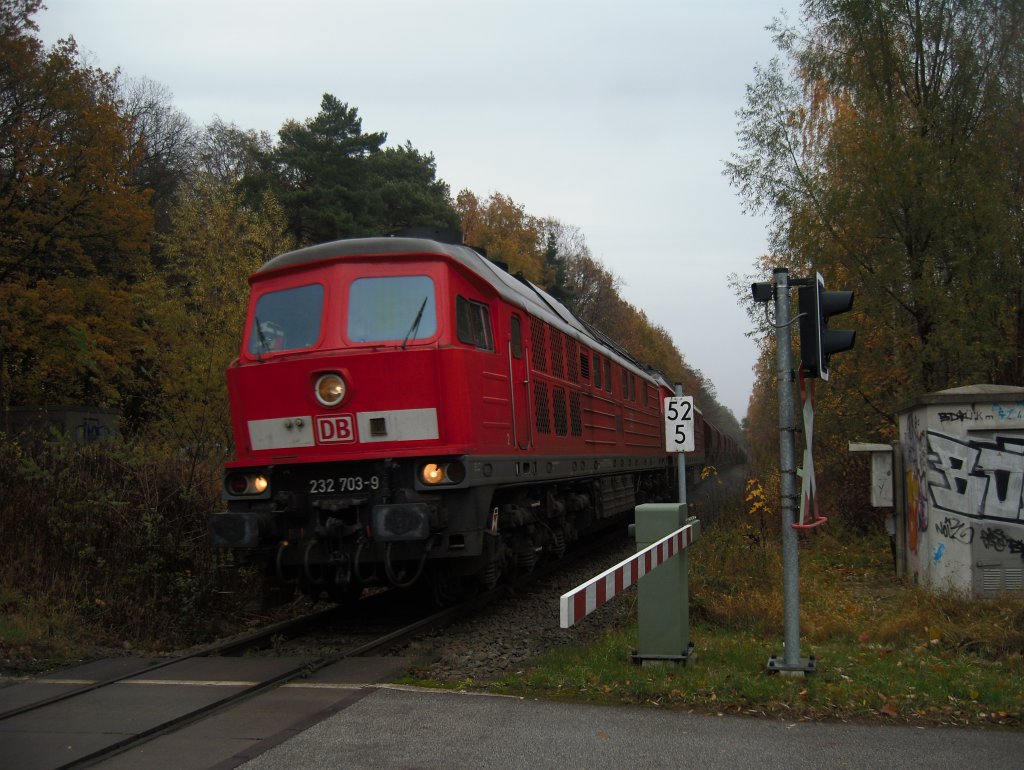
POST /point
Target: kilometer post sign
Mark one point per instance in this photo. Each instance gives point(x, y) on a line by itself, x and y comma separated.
point(680, 424)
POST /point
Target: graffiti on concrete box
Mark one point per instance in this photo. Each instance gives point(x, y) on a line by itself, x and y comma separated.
point(981, 479)
point(915, 447)
point(997, 540)
point(961, 415)
point(995, 413)
point(955, 529)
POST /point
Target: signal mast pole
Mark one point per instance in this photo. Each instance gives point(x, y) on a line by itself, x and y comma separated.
point(791, 663)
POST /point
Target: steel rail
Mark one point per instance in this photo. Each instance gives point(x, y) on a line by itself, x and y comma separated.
point(220, 647)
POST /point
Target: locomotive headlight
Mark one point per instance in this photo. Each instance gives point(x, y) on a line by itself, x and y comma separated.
point(455, 473)
point(434, 474)
point(330, 389)
point(239, 484)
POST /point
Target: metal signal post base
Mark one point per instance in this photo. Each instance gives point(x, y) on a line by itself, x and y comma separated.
point(800, 667)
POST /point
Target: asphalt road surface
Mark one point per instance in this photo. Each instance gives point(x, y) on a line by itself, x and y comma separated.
point(406, 728)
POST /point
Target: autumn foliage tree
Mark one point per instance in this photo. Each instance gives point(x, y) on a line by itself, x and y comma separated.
point(74, 229)
point(888, 155)
point(67, 204)
point(508, 234)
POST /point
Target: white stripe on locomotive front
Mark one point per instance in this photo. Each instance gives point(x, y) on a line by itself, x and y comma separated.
point(396, 425)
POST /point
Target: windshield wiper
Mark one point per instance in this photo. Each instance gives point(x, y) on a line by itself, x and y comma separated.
point(416, 323)
point(262, 340)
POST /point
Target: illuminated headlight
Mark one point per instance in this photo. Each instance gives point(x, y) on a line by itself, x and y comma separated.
point(330, 389)
point(435, 474)
point(239, 484)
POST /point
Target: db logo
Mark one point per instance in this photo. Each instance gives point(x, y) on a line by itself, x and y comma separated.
point(335, 429)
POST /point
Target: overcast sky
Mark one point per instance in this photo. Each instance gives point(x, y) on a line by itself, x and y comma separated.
point(615, 116)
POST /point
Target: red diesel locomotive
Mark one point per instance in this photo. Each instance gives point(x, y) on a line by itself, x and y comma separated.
point(405, 408)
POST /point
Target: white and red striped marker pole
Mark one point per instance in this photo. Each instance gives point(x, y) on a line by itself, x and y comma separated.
point(584, 599)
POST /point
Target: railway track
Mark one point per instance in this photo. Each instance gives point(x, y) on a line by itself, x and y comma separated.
point(95, 714)
point(236, 645)
point(132, 714)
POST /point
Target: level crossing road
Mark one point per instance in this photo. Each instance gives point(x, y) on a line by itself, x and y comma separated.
point(394, 727)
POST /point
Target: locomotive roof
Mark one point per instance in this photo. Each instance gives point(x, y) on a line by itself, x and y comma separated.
point(514, 289)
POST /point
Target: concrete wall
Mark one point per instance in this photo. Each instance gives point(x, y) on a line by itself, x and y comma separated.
point(82, 424)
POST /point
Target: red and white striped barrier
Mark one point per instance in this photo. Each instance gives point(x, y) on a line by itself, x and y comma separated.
point(584, 599)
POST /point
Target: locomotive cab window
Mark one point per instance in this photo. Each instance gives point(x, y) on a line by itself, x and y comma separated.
point(394, 308)
point(473, 323)
point(285, 320)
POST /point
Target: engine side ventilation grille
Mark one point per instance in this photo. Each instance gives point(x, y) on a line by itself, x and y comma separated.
point(540, 401)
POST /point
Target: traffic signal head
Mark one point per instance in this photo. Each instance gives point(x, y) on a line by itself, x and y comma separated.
point(817, 341)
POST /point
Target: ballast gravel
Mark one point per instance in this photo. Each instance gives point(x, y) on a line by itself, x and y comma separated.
point(504, 636)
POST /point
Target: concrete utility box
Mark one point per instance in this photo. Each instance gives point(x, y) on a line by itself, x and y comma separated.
point(963, 478)
point(663, 597)
point(881, 472)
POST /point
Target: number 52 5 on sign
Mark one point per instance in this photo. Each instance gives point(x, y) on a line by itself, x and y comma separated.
point(680, 424)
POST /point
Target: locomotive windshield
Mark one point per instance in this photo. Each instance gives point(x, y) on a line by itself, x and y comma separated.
point(287, 320)
point(398, 308)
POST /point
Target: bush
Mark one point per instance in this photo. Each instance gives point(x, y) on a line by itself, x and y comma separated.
point(112, 534)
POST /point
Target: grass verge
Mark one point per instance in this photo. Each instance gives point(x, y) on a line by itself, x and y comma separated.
point(922, 683)
point(884, 649)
